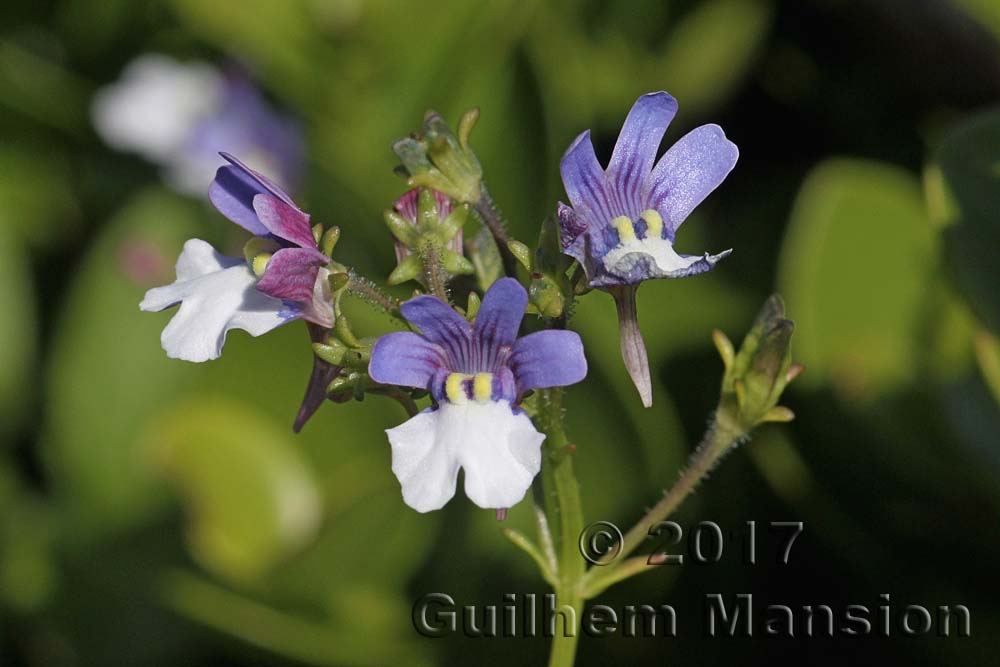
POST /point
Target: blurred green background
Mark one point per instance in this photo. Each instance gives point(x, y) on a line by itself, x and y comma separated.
point(154, 512)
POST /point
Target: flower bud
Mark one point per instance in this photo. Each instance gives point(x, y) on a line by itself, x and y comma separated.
point(426, 225)
point(437, 159)
point(758, 373)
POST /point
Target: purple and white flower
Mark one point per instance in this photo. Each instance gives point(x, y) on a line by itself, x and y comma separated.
point(477, 375)
point(285, 278)
point(180, 115)
point(623, 219)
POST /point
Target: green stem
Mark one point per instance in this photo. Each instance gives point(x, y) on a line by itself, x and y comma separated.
point(491, 216)
point(365, 289)
point(718, 440)
point(565, 515)
point(435, 277)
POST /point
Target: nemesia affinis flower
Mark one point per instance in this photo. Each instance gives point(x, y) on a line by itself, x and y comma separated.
point(179, 115)
point(477, 375)
point(283, 279)
point(623, 219)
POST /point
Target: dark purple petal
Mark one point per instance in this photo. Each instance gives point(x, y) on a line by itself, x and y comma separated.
point(323, 373)
point(291, 274)
point(499, 318)
point(570, 225)
point(636, 149)
point(687, 173)
point(441, 325)
point(583, 179)
point(284, 221)
point(233, 190)
point(550, 358)
point(406, 359)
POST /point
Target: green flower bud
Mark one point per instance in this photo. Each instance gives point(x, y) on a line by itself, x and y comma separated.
point(757, 374)
point(437, 159)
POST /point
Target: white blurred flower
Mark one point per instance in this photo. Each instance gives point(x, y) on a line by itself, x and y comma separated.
point(181, 115)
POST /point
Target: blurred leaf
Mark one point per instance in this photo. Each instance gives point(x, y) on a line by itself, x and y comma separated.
point(35, 193)
point(27, 565)
point(41, 89)
point(704, 55)
point(106, 371)
point(17, 334)
point(988, 354)
point(968, 161)
point(309, 640)
point(986, 12)
point(251, 498)
point(855, 266)
point(711, 49)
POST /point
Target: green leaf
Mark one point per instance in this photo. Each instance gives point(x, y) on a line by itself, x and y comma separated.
point(106, 372)
point(35, 191)
point(711, 50)
point(967, 196)
point(855, 268)
point(17, 334)
point(251, 497)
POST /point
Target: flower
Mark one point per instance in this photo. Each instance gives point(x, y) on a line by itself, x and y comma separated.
point(180, 115)
point(477, 375)
point(427, 231)
point(283, 277)
point(623, 219)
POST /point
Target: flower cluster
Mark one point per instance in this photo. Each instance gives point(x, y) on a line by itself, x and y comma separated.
point(469, 352)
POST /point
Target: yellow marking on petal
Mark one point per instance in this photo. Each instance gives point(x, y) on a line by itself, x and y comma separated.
point(482, 387)
point(654, 224)
point(260, 263)
point(626, 232)
point(454, 390)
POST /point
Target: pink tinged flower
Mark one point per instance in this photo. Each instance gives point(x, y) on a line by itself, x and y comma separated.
point(623, 219)
point(218, 293)
point(477, 374)
point(296, 272)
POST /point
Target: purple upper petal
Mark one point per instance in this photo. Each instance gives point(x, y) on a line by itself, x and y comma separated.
point(291, 274)
point(636, 149)
point(284, 220)
point(233, 191)
point(550, 358)
point(688, 172)
point(499, 318)
point(406, 359)
point(583, 179)
point(441, 325)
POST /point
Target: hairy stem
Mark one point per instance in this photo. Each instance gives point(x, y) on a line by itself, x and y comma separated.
point(491, 216)
point(719, 438)
point(565, 515)
point(435, 276)
point(365, 289)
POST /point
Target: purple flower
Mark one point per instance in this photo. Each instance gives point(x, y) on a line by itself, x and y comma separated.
point(623, 219)
point(477, 375)
point(283, 278)
point(179, 115)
